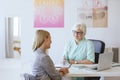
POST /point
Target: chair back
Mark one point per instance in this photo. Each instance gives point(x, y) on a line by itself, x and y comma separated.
point(99, 47)
point(28, 76)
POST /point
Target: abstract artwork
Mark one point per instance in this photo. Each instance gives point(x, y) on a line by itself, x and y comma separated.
point(49, 13)
point(93, 13)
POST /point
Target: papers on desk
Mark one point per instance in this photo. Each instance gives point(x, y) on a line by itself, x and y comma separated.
point(89, 67)
point(61, 65)
point(81, 66)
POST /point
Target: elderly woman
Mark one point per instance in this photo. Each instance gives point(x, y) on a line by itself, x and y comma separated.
point(43, 67)
point(79, 50)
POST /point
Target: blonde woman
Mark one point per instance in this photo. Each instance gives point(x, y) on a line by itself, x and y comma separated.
point(43, 67)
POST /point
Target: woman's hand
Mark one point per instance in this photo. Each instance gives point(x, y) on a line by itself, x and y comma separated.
point(63, 71)
point(71, 61)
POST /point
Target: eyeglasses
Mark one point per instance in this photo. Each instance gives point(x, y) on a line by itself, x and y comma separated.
point(78, 33)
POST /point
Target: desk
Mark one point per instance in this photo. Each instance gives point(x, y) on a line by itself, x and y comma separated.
point(75, 71)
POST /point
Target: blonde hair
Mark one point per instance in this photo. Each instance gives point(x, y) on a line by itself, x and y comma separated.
point(81, 26)
point(40, 36)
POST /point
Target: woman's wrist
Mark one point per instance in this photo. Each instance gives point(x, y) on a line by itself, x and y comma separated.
point(63, 71)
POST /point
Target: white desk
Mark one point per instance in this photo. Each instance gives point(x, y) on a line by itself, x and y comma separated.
point(75, 71)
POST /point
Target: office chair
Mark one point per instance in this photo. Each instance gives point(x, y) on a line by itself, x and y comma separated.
point(99, 47)
point(29, 77)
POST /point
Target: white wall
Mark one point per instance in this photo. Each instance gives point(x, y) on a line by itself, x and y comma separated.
point(25, 10)
point(2, 38)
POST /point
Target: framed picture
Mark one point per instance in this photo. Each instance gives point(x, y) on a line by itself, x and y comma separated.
point(49, 13)
point(94, 13)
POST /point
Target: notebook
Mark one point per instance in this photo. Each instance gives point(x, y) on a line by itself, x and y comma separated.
point(105, 62)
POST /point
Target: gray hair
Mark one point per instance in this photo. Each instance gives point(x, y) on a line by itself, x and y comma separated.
point(81, 26)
